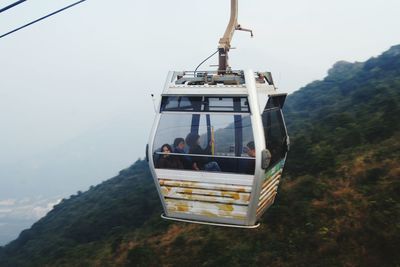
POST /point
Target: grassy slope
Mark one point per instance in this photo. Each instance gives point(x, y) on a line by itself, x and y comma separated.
point(338, 204)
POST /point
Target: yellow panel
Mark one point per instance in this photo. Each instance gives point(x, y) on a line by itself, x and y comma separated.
point(265, 204)
point(211, 186)
point(207, 199)
point(266, 200)
point(268, 192)
point(205, 195)
point(206, 209)
point(272, 179)
point(273, 191)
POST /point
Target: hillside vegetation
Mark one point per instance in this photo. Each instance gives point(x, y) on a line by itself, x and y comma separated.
point(338, 204)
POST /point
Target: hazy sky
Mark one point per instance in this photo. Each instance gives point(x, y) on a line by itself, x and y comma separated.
point(102, 59)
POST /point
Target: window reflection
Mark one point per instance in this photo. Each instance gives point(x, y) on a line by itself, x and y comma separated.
point(275, 134)
point(205, 142)
point(201, 104)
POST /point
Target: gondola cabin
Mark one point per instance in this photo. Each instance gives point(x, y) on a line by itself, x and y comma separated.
point(218, 146)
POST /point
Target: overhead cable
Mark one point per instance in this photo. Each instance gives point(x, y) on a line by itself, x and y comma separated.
point(42, 18)
point(12, 5)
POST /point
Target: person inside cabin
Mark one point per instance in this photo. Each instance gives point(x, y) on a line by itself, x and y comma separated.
point(179, 148)
point(250, 165)
point(200, 162)
point(168, 161)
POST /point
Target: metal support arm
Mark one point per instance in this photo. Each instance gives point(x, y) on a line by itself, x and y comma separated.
point(225, 41)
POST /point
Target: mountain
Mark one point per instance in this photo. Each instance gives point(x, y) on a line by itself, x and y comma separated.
point(338, 204)
point(31, 185)
point(355, 105)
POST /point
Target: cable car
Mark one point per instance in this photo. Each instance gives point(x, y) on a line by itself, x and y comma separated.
point(218, 143)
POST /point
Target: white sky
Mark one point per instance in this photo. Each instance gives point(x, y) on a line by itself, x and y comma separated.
point(81, 68)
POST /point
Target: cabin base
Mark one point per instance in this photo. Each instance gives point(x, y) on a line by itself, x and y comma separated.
point(209, 223)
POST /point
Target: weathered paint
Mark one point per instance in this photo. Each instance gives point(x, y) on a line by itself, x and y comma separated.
point(208, 214)
point(269, 187)
point(206, 209)
point(206, 195)
point(271, 179)
point(267, 198)
point(265, 205)
point(212, 186)
point(268, 192)
point(206, 199)
point(271, 172)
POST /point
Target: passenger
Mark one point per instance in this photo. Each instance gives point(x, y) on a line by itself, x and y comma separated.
point(251, 149)
point(250, 165)
point(179, 148)
point(200, 163)
point(168, 161)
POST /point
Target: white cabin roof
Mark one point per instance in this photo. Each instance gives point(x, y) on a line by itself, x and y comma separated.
point(173, 86)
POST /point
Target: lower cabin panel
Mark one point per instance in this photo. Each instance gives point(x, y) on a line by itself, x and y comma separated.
point(210, 210)
point(206, 201)
point(269, 188)
point(206, 195)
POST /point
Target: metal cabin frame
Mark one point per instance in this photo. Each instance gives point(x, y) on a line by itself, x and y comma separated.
point(256, 191)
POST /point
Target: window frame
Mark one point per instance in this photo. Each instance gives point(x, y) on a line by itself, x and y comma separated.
point(235, 158)
point(274, 105)
point(203, 105)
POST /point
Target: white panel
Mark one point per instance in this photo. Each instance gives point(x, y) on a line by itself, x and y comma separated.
point(206, 209)
point(206, 90)
point(206, 195)
point(206, 177)
point(207, 186)
point(266, 194)
point(259, 141)
point(171, 190)
point(268, 185)
point(265, 204)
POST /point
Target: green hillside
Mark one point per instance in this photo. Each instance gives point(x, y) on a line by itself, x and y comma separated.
point(338, 204)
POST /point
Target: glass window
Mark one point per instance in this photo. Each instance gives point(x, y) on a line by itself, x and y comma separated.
point(201, 104)
point(276, 101)
point(207, 142)
point(227, 104)
point(181, 103)
point(275, 133)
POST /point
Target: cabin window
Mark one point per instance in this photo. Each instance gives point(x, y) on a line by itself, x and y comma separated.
point(205, 104)
point(206, 141)
point(275, 132)
point(181, 103)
